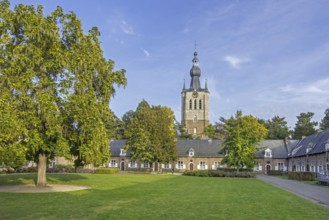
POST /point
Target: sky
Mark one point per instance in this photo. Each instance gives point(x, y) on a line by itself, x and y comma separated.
point(265, 58)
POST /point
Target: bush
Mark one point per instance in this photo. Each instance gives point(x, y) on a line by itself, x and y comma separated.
point(84, 170)
point(27, 170)
point(59, 168)
point(218, 173)
point(107, 170)
point(275, 172)
point(234, 169)
point(302, 176)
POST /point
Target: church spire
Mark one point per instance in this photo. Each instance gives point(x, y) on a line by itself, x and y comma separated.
point(195, 73)
point(206, 86)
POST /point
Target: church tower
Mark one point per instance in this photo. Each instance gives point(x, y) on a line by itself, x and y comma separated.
point(195, 102)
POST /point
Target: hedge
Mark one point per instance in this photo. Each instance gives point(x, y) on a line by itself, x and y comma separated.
point(275, 172)
point(218, 173)
point(308, 176)
point(107, 170)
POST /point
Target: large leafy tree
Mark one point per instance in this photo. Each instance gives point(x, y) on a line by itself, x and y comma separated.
point(243, 133)
point(57, 85)
point(151, 134)
point(277, 128)
point(324, 125)
point(304, 126)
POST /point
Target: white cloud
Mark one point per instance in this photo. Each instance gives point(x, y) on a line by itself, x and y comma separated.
point(146, 52)
point(126, 28)
point(235, 61)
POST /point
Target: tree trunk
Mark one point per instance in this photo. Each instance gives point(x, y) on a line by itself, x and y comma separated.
point(42, 167)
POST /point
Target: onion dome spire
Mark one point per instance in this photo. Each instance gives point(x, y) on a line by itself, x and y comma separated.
point(195, 73)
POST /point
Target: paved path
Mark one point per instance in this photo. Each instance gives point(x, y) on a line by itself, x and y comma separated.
point(315, 194)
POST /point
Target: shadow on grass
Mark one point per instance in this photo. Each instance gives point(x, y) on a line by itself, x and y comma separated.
point(31, 178)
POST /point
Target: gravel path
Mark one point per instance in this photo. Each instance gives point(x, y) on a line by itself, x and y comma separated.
point(34, 189)
point(315, 194)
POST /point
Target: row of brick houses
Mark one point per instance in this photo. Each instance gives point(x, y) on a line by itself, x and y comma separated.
point(309, 154)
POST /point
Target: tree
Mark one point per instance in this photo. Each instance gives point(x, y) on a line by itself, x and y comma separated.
point(151, 134)
point(277, 128)
point(324, 125)
point(183, 132)
point(304, 126)
point(242, 135)
point(58, 84)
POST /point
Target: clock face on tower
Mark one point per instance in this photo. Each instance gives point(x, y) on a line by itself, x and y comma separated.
point(195, 94)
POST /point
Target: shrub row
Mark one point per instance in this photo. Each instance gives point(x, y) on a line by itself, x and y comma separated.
point(308, 176)
point(218, 173)
point(62, 169)
point(226, 169)
point(5, 170)
point(107, 170)
point(275, 172)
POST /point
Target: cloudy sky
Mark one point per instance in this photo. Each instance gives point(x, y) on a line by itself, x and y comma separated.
point(265, 58)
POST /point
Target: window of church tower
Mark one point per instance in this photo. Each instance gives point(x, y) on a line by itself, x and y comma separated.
point(190, 104)
point(195, 104)
point(200, 104)
point(194, 131)
point(195, 119)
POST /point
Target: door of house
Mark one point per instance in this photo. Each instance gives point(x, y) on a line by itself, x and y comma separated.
point(191, 166)
point(268, 168)
point(122, 167)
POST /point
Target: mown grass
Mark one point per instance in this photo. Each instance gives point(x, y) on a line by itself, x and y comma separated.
point(128, 196)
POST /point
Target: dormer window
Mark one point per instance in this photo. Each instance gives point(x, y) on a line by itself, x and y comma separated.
point(123, 152)
point(191, 152)
point(327, 146)
point(268, 153)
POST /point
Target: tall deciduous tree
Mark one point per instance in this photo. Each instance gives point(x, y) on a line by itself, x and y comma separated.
point(57, 85)
point(242, 135)
point(304, 126)
point(324, 125)
point(277, 128)
point(151, 134)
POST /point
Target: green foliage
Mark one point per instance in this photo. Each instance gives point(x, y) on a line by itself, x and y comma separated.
point(277, 128)
point(55, 87)
point(301, 176)
point(275, 172)
point(211, 132)
point(151, 134)
point(107, 170)
point(183, 132)
point(324, 125)
point(304, 126)
point(219, 173)
point(60, 168)
point(242, 134)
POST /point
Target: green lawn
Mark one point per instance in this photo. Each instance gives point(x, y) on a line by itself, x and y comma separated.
point(129, 196)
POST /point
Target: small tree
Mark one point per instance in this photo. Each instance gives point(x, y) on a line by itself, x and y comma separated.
point(151, 134)
point(242, 135)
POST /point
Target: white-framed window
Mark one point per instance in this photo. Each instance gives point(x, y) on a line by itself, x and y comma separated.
point(268, 153)
point(166, 166)
point(191, 152)
point(123, 152)
point(216, 165)
point(280, 166)
point(113, 163)
point(132, 164)
point(327, 146)
point(180, 165)
point(145, 164)
point(194, 131)
point(202, 165)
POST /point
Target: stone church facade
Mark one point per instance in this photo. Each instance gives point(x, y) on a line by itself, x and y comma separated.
point(195, 102)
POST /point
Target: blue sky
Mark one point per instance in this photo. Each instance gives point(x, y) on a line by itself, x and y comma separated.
point(265, 58)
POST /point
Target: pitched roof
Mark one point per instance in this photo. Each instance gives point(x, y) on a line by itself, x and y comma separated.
point(313, 144)
point(202, 148)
